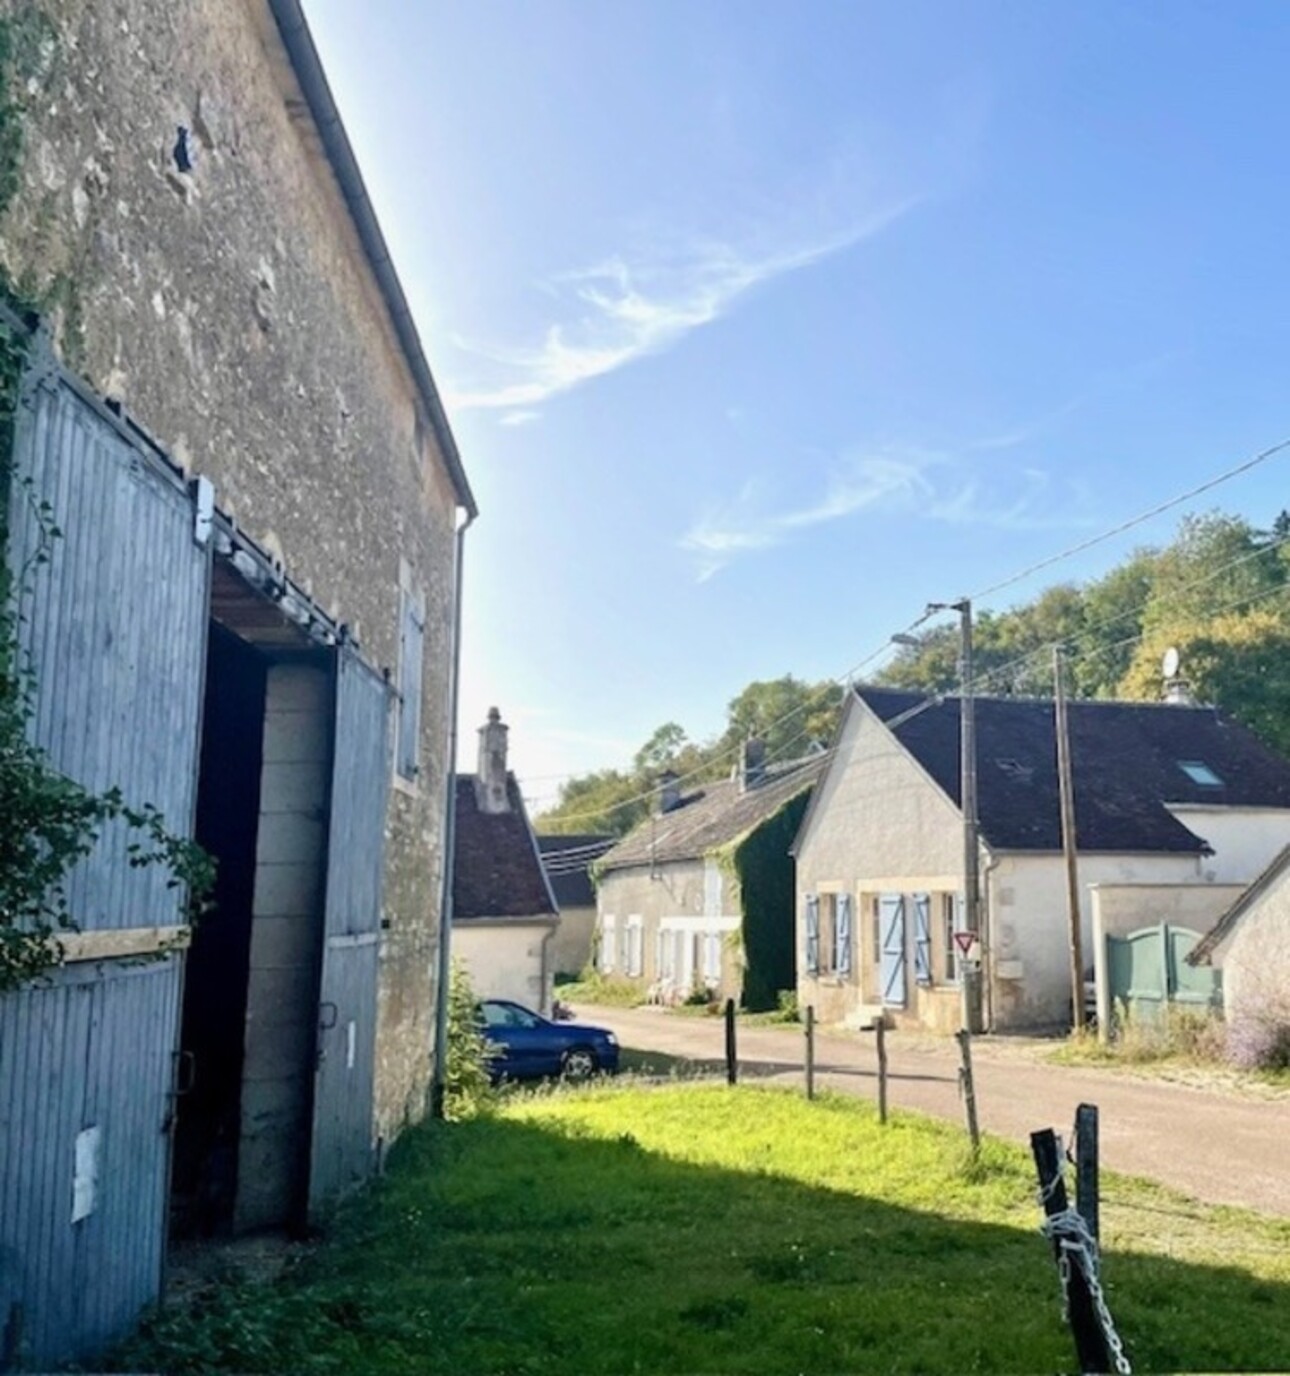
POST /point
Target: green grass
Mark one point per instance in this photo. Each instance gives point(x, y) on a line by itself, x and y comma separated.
point(693, 1228)
point(611, 991)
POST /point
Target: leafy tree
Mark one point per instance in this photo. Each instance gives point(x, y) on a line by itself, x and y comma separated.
point(660, 751)
point(786, 713)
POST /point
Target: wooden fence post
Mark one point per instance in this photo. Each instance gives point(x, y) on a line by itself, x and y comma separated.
point(880, 1034)
point(1087, 1183)
point(810, 1051)
point(968, 1088)
point(732, 1059)
point(1090, 1343)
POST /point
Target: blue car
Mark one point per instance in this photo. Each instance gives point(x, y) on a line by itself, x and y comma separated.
point(526, 1045)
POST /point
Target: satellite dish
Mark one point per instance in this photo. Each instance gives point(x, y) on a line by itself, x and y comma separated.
point(1171, 662)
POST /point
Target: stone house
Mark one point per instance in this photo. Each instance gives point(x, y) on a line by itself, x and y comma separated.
point(1250, 944)
point(248, 621)
point(568, 862)
point(1165, 795)
point(504, 915)
point(700, 896)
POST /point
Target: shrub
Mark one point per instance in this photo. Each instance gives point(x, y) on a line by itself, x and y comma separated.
point(1259, 1036)
point(468, 1090)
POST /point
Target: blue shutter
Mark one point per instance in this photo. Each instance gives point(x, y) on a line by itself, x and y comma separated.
point(812, 934)
point(844, 933)
point(891, 910)
point(922, 937)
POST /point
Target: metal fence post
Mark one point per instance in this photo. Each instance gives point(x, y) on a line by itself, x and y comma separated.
point(732, 1060)
point(880, 1035)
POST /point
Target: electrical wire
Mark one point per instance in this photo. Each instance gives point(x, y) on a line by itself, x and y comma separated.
point(1141, 518)
point(846, 679)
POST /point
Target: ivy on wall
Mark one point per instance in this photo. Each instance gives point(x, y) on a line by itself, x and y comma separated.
point(766, 876)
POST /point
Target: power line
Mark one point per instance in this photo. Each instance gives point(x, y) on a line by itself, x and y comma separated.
point(1153, 600)
point(845, 679)
point(1137, 520)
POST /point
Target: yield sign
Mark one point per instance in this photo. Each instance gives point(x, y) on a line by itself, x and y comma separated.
point(968, 945)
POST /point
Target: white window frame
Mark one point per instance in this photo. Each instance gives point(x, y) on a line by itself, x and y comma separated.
point(634, 947)
point(608, 943)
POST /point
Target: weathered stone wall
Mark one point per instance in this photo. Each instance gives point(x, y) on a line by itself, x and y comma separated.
point(232, 311)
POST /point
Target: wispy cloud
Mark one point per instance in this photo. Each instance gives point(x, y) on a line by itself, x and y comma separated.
point(519, 417)
point(926, 485)
point(620, 310)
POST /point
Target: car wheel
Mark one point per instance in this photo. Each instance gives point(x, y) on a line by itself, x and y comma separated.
point(579, 1063)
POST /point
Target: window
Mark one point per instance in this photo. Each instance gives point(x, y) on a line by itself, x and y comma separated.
point(634, 949)
point(949, 952)
point(1200, 773)
point(712, 956)
point(829, 933)
point(506, 1015)
point(412, 625)
point(608, 935)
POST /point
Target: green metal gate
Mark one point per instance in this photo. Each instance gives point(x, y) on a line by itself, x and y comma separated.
point(1148, 971)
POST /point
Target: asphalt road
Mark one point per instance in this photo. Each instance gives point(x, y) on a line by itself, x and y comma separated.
point(1218, 1143)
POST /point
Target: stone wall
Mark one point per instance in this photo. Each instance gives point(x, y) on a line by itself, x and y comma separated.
point(232, 311)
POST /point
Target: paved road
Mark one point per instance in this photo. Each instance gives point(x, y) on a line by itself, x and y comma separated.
point(1218, 1144)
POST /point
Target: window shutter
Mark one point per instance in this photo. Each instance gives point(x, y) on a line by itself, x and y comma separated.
point(844, 933)
point(412, 623)
point(812, 934)
point(891, 908)
point(922, 938)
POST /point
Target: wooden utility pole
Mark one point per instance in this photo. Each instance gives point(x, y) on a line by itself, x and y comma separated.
point(972, 976)
point(732, 1057)
point(1067, 793)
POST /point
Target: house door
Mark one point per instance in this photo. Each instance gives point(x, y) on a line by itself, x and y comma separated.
point(341, 1149)
point(891, 927)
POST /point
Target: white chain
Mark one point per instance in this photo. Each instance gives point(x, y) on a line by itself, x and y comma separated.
point(1069, 1230)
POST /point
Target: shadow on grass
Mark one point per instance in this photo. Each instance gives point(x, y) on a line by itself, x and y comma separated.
point(540, 1247)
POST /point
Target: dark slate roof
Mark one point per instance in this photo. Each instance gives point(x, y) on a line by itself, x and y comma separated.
point(712, 816)
point(570, 878)
point(1125, 759)
point(496, 870)
point(1203, 952)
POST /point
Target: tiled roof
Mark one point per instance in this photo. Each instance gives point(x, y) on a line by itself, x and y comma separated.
point(1126, 759)
point(496, 872)
point(570, 874)
point(713, 815)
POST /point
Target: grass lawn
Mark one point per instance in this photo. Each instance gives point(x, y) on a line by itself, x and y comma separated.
point(695, 1228)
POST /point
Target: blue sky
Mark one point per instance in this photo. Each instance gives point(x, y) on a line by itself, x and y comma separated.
point(761, 325)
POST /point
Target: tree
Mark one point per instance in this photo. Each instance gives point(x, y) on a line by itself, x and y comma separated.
point(786, 713)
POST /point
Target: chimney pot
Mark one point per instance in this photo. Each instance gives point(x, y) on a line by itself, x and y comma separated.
point(669, 791)
point(752, 768)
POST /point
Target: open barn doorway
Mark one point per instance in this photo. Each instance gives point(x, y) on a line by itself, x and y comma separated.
point(250, 1014)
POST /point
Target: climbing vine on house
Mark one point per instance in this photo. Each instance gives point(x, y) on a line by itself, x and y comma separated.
point(51, 821)
point(767, 887)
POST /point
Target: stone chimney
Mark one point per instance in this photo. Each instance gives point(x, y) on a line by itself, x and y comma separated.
point(1178, 693)
point(490, 779)
point(752, 764)
point(669, 791)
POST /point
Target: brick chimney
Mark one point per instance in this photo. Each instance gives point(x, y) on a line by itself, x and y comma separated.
point(490, 779)
point(752, 764)
point(669, 791)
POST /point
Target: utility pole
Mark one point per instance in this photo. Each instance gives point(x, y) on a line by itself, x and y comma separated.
point(970, 978)
point(1066, 790)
